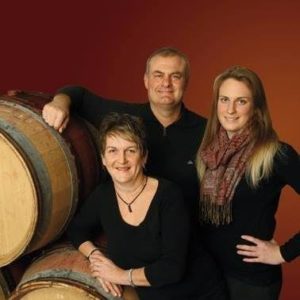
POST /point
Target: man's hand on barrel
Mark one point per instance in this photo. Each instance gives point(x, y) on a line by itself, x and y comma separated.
point(57, 112)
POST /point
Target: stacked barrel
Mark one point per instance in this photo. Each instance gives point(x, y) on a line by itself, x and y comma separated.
point(43, 178)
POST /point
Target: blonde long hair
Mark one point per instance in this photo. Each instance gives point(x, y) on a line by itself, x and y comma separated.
point(265, 139)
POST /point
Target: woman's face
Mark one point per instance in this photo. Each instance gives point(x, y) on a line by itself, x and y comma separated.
point(235, 106)
point(122, 159)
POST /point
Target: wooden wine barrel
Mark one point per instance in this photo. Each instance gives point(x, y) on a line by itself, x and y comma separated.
point(62, 273)
point(42, 175)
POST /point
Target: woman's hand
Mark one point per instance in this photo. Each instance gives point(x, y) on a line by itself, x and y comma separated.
point(112, 288)
point(266, 252)
point(109, 275)
point(103, 267)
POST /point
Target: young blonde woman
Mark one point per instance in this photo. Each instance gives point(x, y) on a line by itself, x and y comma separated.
point(145, 220)
point(243, 167)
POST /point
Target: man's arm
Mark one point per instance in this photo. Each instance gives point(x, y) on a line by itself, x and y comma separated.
point(84, 103)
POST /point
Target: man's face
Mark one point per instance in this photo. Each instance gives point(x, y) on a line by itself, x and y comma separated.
point(165, 81)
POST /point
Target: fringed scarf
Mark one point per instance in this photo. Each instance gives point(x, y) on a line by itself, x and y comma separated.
point(225, 160)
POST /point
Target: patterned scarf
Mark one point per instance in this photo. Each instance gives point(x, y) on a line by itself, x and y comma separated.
point(225, 160)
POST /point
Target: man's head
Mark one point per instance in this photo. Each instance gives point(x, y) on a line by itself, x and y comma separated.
point(166, 77)
point(170, 52)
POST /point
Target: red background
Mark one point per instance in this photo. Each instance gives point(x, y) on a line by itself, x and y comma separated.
point(104, 45)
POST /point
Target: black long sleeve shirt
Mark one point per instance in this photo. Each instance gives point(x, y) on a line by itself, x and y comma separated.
point(253, 213)
point(172, 153)
point(172, 149)
point(160, 243)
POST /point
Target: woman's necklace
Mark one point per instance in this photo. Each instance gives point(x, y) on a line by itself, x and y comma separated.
point(131, 202)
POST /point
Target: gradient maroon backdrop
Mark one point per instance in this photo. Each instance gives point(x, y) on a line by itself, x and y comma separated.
point(104, 45)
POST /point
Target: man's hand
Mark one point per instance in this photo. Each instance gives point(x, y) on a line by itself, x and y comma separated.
point(266, 252)
point(57, 112)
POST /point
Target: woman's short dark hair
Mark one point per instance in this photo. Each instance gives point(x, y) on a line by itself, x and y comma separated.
point(129, 127)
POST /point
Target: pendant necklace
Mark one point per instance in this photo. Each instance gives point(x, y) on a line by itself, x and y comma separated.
point(131, 202)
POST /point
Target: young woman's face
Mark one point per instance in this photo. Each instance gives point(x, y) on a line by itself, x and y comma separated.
point(122, 159)
point(235, 106)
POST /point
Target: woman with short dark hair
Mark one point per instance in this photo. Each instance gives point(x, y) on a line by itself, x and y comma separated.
point(145, 220)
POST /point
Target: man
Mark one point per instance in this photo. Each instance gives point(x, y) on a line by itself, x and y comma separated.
point(173, 132)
